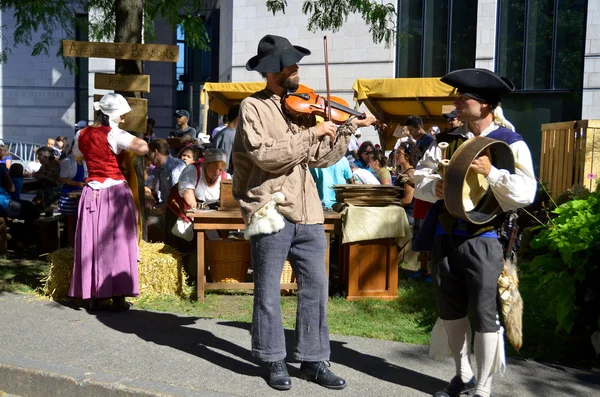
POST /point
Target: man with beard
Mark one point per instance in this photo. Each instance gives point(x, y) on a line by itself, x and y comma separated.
point(272, 153)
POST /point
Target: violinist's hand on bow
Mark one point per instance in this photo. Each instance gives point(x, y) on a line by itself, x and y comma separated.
point(326, 128)
point(367, 121)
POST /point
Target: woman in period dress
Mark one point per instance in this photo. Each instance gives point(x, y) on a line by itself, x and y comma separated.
point(106, 250)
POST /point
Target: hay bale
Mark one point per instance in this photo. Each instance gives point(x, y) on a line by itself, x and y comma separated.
point(160, 272)
point(58, 280)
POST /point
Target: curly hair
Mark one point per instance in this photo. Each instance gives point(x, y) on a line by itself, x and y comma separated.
point(412, 152)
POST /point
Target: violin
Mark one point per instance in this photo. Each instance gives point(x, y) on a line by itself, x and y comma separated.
point(305, 101)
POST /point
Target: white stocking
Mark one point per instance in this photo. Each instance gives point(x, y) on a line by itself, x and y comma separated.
point(489, 354)
point(459, 338)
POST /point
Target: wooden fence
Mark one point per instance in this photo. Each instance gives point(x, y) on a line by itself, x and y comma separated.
point(570, 155)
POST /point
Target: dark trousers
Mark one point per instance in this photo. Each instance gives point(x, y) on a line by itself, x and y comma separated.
point(465, 272)
point(304, 246)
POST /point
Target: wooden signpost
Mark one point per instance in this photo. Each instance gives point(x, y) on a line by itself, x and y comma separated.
point(136, 119)
point(122, 82)
point(136, 52)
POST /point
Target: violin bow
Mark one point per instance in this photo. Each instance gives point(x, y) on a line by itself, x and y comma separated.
point(327, 83)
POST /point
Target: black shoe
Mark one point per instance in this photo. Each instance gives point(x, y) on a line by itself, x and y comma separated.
point(319, 372)
point(456, 387)
point(278, 377)
point(94, 305)
point(119, 304)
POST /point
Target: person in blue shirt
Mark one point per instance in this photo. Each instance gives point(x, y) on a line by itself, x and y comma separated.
point(9, 208)
point(364, 155)
point(415, 128)
point(337, 174)
point(16, 174)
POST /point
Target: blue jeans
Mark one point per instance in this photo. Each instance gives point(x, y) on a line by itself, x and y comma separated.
point(304, 246)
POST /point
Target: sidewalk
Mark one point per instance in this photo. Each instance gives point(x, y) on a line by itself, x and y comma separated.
point(47, 349)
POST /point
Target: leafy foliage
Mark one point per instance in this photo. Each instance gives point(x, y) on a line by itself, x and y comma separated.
point(571, 242)
point(332, 14)
point(52, 18)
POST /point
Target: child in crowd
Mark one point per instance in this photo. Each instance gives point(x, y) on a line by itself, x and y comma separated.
point(5, 157)
point(62, 146)
point(189, 155)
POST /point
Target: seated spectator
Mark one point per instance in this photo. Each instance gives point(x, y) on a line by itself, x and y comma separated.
point(378, 164)
point(189, 155)
point(205, 187)
point(73, 173)
point(49, 175)
point(364, 155)
point(158, 185)
point(10, 208)
point(337, 174)
point(362, 176)
point(16, 174)
point(5, 157)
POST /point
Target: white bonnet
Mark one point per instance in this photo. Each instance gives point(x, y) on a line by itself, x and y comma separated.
point(112, 105)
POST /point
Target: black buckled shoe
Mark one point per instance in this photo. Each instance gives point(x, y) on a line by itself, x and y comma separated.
point(456, 387)
point(278, 377)
point(319, 372)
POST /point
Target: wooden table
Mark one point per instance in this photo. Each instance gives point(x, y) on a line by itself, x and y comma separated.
point(231, 219)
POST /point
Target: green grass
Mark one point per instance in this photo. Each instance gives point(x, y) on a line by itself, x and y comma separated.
point(21, 275)
point(408, 319)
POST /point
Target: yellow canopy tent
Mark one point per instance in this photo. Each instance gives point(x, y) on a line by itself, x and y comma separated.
point(393, 100)
point(221, 96)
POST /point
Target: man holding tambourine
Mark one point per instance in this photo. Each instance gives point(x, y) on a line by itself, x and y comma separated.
point(467, 258)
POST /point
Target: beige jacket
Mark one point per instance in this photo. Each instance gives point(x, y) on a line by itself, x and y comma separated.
point(272, 154)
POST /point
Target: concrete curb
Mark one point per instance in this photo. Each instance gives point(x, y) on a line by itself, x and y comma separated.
point(33, 379)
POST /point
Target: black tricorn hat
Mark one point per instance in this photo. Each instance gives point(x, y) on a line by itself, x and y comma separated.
point(274, 54)
point(480, 84)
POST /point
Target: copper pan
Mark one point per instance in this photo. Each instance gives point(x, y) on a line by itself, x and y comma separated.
point(467, 195)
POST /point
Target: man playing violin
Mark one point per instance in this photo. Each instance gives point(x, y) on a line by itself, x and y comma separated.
point(272, 153)
point(467, 259)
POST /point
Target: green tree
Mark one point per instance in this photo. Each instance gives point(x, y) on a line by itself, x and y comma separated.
point(53, 16)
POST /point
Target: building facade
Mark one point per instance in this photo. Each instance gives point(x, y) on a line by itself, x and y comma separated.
point(550, 49)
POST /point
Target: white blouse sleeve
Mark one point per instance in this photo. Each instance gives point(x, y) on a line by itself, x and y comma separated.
point(76, 150)
point(516, 190)
point(119, 139)
point(426, 174)
point(188, 178)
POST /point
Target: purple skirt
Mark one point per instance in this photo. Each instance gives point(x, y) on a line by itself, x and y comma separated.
point(106, 248)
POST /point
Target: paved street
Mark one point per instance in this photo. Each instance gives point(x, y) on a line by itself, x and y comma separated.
point(47, 349)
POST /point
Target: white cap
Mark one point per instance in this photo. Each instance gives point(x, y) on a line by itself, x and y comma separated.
point(112, 105)
point(203, 138)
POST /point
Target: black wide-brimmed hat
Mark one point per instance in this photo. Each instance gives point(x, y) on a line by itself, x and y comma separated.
point(480, 84)
point(274, 54)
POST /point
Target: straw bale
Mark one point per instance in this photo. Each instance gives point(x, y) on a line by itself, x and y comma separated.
point(160, 272)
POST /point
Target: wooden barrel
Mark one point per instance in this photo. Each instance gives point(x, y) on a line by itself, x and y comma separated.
point(467, 194)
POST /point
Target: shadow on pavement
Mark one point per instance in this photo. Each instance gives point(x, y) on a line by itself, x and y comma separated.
point(365, 363)
point(171, 330)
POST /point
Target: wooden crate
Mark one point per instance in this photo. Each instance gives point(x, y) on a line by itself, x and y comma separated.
point(370, 269)
point(226, 196)
point(570, 155)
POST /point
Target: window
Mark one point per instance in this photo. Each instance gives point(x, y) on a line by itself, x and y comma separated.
point(541, 43)
point(181, 71)
point(436, 36)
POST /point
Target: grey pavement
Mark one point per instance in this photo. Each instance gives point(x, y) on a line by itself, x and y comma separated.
point(48, 349)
